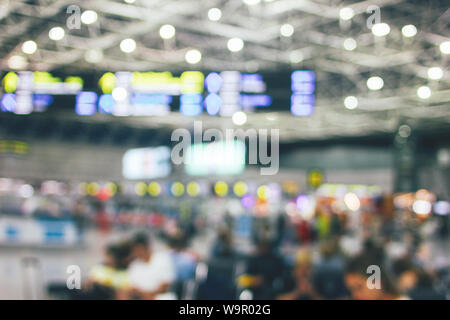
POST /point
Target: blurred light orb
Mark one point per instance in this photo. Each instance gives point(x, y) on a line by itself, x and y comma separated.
point(29, 47)
point(92, 189)
point(167, 31)
point(221, 188)
point(193, 56)
point(128, 45)
point(89, 17)
point(56, 33)
point(193, 189)
point(422, 207)
point(154, 189)
point(442, 208)
point(351, 102)
point(119, 94)
point(214, 14)
point(287, 30)
point(352, 202)
point(239, 118)
point(435, 73)
point(445, 47)
point(235, 44)
point(93, 56)
point(17, 62)
point(404, 131)
point(296, 56)
point(248, 201)
point(130, 1)
point(409, 31)
point(381, 29)
point(240, 188)
point(262, 192)
point(112, 188)
point(375, 83)
point(251, 2)
point(177, 189)
point(346, 13)
point(424, 92)
point(350, 44)
point(140, 188)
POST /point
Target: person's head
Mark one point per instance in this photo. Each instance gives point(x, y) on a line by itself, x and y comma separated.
point(117, 255)
point(140, 246)
point(356, 276)
point(406, 273)
point(303, 263)
point(329, 248)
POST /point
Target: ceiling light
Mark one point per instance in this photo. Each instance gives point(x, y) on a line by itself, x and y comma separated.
point(435, 73)
point(17, 62)
point(424, 92)
point(239, 118)
point(93, 56)
point(251, 2)
point(287, 30)
point(381, 29)
point(167, 31)
point(235, 44)
point(128, 45)
point(351, 102)
point(130, 1)
point(56, 33)
point(350, 44)
point(296, 56)
point(375, 83)
point(346, 13)
point(89, 17)
point(29, 47)
point(445, 47)
point(409, 31)
point(214, 14)
point(193, 56)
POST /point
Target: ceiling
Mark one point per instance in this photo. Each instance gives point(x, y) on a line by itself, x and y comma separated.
point(317, 44)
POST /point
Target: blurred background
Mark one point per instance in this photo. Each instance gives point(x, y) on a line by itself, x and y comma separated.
point(91, 92)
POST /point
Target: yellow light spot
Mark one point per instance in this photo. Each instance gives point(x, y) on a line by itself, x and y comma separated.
point(140, 188)
point(154, 189)
point(193, 189)
point(92, 189)
point(240, 188)
point(10, 82)
point(177, 189)
point(221, 189)
point(107, 82)
point(262, 192)
point(112, 188)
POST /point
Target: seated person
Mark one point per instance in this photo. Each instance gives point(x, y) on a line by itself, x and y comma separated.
point(151, 273)
point(109, 279)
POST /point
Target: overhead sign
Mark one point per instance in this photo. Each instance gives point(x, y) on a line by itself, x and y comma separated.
point(146, 163)
point(216, 158)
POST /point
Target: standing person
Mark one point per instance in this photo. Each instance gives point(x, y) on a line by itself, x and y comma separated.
point(151, 273)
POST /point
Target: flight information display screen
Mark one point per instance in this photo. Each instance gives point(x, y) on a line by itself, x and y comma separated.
point(191, 93)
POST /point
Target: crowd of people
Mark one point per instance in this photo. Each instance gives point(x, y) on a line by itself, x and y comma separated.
point(289, 260)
